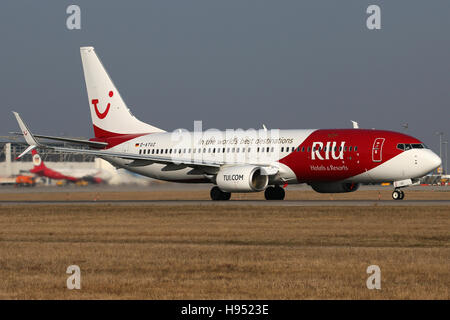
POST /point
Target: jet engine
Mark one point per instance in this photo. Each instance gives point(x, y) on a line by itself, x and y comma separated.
point(244, 178)
point(334, 187)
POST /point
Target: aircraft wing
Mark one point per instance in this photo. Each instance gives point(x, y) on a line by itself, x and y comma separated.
point(71, 140)
point(138, 159)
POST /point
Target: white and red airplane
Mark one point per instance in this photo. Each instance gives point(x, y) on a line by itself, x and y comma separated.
point(71, 175)
point(329, 160)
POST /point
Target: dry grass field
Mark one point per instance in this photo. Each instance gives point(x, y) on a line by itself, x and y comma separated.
point(223, 252)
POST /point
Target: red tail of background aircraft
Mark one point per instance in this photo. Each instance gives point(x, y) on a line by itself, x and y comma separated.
point(42, 170)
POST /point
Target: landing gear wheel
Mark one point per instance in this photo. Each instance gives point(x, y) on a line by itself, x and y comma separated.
point(217, 194)
point(398, 195)
point(274, 193)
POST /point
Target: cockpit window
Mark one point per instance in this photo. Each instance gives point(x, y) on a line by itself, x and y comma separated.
point(408, 146)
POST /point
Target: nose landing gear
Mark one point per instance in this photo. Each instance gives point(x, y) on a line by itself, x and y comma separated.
point(398, 194)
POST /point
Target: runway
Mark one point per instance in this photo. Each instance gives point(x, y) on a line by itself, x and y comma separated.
point(285, 203)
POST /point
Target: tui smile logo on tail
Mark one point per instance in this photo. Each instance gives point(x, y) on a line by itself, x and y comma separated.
point(101, 115)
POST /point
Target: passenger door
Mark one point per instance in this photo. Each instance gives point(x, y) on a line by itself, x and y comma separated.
point(377, 150)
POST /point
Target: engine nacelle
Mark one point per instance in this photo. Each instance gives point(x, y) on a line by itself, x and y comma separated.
point(241, 179)
point(334, 187)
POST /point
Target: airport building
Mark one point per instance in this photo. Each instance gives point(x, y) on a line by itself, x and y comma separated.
point(9, 167)
point(56, 160)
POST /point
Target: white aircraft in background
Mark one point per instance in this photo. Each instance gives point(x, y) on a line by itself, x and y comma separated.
point(329, 160)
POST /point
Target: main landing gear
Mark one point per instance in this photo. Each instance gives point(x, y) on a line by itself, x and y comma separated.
point(271, 193)
point(217, 194)
point(398, 194)
point(274, 193)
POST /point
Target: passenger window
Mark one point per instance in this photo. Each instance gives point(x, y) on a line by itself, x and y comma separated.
point(282, 149)
point(140, 151)
point(349, 148)
point(303, 149)
point(356, 148)
point(309, 149)
point(293, 148)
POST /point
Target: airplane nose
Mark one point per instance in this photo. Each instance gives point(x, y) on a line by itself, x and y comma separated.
point(433, 160)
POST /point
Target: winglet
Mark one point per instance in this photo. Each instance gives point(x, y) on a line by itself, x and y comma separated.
point(29, 138)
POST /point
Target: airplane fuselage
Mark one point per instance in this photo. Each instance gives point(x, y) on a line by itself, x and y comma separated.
point(302, 156)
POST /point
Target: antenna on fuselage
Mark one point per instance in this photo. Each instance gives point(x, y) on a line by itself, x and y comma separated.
point(355, 124)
